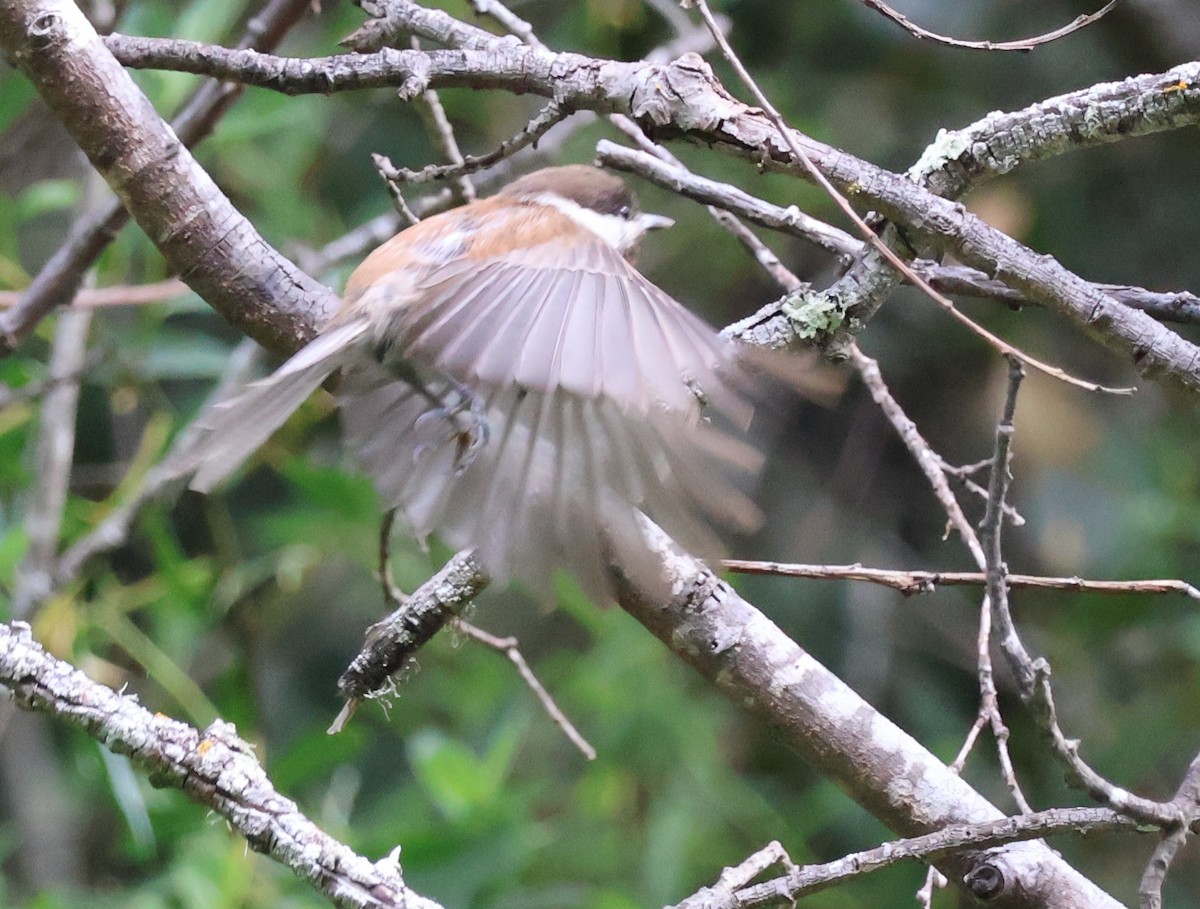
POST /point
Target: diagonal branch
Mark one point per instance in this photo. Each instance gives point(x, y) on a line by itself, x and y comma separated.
point(61, 277)
point(214, 768)
point(685, 98)
point(202, 236)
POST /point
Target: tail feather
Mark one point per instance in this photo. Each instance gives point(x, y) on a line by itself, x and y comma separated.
point(234, 429)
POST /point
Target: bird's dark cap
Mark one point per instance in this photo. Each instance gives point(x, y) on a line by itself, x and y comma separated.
point(583, 184)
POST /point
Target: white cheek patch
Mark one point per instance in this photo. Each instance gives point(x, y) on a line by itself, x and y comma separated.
point(619, 233)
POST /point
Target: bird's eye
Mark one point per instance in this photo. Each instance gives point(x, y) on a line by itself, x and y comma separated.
point(625, 212)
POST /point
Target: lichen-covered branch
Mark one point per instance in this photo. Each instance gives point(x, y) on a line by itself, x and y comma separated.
point(214, 768)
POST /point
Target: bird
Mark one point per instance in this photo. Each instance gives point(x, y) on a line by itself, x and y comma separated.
point(513, 384)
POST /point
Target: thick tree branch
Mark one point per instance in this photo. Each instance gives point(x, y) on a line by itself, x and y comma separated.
point(203, 237)
point(763, 671)
point(684, 98)
point(214, 768)
point(1180, 307)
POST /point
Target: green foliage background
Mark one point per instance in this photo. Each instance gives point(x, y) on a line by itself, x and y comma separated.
point(248, 604)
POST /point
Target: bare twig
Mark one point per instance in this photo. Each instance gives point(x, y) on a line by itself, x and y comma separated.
point(911, 581)
point(934, 880)
point(789, 139)
point(1033, 676)
point(36, 388)
point(510, 647)
point(737, 877)
point(931, 465)
point(962, 476)
point(55, 455)
point(546, 119)
point(1187, 797)
point(927, 459)
point(507, 19)
point(113, 531)
point(386, 169)
point(433, 115)
point(393, 596)
point(1020, 45)
point(120, 295)
point(931, 847)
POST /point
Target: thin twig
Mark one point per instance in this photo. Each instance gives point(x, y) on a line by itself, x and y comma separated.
point(927, 459)
point(117, 295)
point(33, 582)
point(1186, 797)
point(930, 847)
point(113, 530)
point(393, 596)
point(1033, 676)
point(433, 115)
point(934, 880)
point(545, 120)
point(384, 166)
point(1020, 45)
point(962, 476)
point(931, 464)
point(510, 647)
point(913, 581)
point(737, 877)
point(868, 234)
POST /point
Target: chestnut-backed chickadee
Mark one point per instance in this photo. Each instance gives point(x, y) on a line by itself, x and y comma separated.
point(513, 384)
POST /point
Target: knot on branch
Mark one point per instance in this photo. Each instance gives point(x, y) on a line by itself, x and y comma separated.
point(417, 80)
point(684, 93)
point(985, 881)
point(45, 30)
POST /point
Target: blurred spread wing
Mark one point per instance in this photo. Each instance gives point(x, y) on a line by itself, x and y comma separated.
point(570, 316)
point(603, 397)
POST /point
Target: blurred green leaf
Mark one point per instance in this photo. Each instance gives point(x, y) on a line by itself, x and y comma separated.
point(47, 196)
point(18, 92)
point(457, 780)
point(175, 355)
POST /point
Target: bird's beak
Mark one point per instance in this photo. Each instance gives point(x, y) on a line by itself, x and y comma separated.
point(647, 221)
